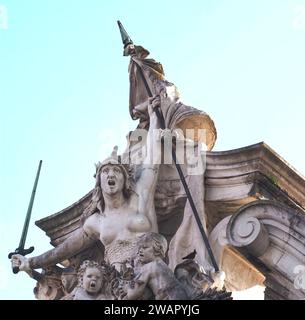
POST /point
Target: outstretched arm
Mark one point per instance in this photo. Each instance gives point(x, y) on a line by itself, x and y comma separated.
point(77, 242)
point(146, 184)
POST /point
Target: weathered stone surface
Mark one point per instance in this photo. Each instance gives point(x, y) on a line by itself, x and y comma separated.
point(271, 237)
point(134, 235)
point(237, 177)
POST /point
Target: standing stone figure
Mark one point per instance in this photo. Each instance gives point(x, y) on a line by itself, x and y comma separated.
point(193, 128)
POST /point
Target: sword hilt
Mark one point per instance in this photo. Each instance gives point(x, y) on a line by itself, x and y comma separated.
point(21, 251)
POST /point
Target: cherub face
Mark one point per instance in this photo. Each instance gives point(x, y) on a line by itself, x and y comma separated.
point(146, 252)
point(112, 179)
point(92, 280)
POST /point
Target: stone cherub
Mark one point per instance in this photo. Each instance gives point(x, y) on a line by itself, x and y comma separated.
point(152, 273)
point(92, 283)
point(153, 276)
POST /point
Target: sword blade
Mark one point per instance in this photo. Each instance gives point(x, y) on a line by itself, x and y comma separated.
point(29, 212)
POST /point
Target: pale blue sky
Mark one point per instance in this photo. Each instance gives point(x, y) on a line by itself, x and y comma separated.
point(64, 91)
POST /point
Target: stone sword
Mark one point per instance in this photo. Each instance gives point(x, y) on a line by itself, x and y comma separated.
point(21, 250)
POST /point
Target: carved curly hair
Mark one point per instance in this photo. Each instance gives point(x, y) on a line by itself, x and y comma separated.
point(158, 241)
point(89, 264)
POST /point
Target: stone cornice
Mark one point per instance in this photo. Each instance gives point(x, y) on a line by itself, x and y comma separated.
point(245, 165)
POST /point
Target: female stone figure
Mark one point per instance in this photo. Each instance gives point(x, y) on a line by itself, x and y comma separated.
point(117, 215)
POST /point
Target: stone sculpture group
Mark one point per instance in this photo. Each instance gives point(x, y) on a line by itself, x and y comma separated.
point(148, 244)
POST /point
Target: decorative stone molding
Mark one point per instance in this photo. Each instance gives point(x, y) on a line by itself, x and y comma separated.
point(230, 175)
point(240, 273)
point(246, 231)
point(272, 236)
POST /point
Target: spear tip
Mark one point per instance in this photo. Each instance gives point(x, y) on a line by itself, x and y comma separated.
point(125, 37)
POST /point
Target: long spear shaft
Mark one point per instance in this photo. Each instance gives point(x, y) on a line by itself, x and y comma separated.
point(20, 249)
point(182, 178)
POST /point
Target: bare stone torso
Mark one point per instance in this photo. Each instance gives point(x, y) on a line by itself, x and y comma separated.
point(118, 228)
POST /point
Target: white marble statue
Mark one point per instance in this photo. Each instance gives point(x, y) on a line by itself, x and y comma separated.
point(132, 205)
